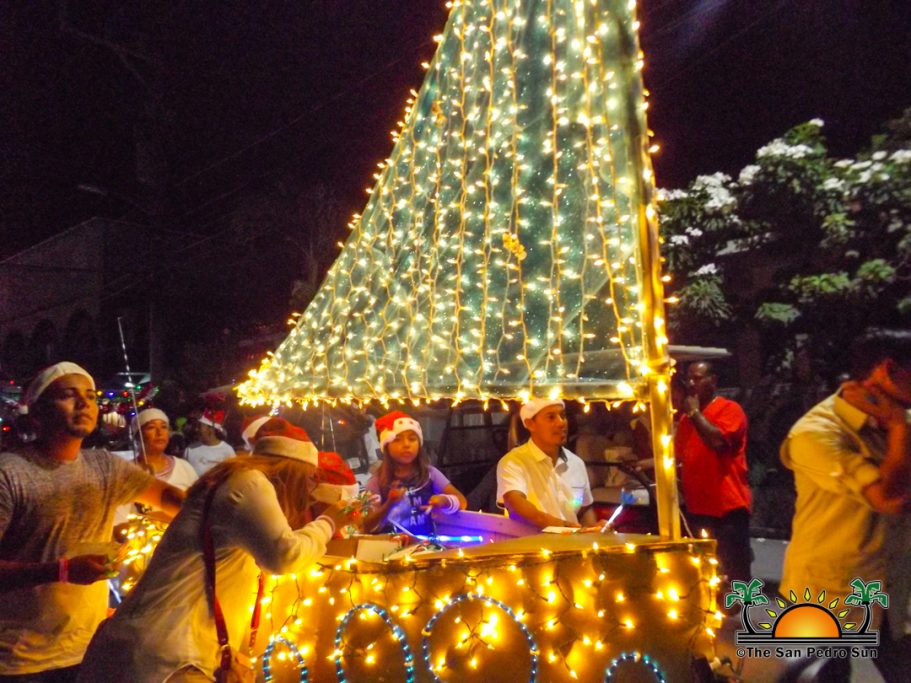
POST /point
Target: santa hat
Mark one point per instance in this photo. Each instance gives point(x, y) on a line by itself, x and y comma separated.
point(531, 408)
point(280, 438)
point(392, 424)
point(214, 419)
point(50, 375)
point(147, 415)
point(335, 478)
point(251, 426)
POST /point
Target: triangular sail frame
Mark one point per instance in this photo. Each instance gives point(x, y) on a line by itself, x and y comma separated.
point(498, 255)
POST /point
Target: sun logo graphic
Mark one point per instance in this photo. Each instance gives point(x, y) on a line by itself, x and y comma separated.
point(808, 622)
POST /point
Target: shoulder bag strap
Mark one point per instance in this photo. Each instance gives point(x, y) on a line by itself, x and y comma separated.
point(221, 629)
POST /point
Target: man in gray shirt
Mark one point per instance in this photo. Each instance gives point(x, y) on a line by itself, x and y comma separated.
point(56, 500)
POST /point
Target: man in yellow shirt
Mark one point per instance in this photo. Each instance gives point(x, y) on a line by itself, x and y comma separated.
point(851, 458)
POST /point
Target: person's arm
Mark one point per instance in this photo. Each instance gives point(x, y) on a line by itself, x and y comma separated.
point(721, 439)
point(441, 500)
point(163, 497)
point(519, 506)
point(83, 569)
point(446, 497)
point(375, 518)
point(891, 492)
point(255, 521)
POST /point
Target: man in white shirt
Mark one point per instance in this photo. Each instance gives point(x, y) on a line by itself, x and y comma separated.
point(540, 481)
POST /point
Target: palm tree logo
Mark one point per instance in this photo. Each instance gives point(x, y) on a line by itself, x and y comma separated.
point(867, 595)
point(747, 594)
point(815, 620)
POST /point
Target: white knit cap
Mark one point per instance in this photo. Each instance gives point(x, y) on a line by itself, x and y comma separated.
point(147, 415)
point(50, 375)
point(536, 405)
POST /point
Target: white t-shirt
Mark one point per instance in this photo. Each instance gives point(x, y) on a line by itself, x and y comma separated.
point(203, 458)
point(560, 490)
point(182, 475)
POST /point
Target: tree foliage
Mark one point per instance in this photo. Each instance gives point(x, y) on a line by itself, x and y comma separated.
point(805, 245)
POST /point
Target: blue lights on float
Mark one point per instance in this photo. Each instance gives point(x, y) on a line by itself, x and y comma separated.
point(633, 657)
point(464, 597)
point(397, 633)
point(295, 653)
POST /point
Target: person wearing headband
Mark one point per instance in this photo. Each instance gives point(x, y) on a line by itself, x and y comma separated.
point(56, 498)
point(150, 433)
point(541, 482)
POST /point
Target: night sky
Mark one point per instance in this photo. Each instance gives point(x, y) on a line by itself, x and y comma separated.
point(230, 99)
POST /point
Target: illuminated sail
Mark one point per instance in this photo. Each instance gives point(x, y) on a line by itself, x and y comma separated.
point(498, 253)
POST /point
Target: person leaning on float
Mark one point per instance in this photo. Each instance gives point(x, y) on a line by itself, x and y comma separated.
point(540, 481)
point(165, 629)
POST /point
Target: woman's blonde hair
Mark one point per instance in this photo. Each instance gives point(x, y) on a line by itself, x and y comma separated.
point(291, 478)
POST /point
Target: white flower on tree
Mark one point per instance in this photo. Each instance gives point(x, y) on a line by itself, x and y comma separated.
point(748, 174)
point(780, 148)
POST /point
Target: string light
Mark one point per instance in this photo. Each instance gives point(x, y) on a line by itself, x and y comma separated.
point(508, 249)
point(635, 657)
point(428, 631)
point(499, 248)
point(295, 653)
point(397, 633)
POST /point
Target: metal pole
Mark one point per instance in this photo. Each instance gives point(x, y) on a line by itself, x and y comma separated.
point(658, 378)
point(132, 387)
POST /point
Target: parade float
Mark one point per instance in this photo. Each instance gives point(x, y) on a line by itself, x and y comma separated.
point(509, 249)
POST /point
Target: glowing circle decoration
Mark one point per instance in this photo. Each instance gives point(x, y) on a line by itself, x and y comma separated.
point(464, 597)
point(397, 633)
point(295, 653)
point(624, 657)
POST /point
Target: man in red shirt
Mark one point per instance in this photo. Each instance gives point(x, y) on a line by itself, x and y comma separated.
point(711, 444)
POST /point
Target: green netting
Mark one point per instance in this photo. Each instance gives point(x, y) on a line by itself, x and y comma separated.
point(498, 252)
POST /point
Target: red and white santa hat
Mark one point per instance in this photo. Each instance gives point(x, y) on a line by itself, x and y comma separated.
point(213, 418)
point(251, 426)
point(335, 476)
point(280, 438)
point(392, 424)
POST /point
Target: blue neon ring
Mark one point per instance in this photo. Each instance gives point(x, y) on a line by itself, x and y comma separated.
point(397, 632)
point(267, 659)
point(463, 597)
point(633, 657)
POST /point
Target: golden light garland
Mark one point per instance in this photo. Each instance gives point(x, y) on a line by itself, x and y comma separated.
point(473, 614)
point(500, 254)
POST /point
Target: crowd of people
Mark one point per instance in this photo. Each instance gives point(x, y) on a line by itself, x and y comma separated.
point(274, 505)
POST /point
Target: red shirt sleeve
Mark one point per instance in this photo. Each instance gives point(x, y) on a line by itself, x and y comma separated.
point(731, 421)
